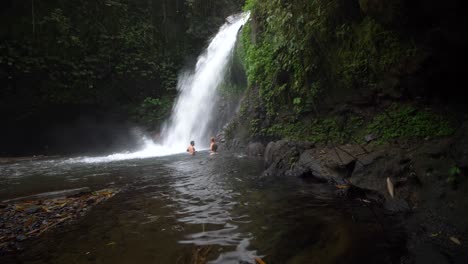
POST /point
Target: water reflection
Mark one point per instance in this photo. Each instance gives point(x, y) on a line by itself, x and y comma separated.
point(214, 207)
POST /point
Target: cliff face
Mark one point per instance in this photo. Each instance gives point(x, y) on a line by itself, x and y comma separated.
point(315, 63)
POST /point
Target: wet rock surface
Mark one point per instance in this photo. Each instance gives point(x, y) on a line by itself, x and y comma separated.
point(423, 183)
point(280, 156)
point(255, 149)
point(28, 217)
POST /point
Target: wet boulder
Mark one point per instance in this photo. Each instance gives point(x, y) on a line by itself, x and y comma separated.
point(372, 170)
point(282, 155)
point(283, 158)
point(255, 149)
point(308, 167)
point(311, 167)
point(279, 150)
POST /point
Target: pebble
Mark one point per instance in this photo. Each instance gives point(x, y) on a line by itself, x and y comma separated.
point(32, 209)
point(21, 238)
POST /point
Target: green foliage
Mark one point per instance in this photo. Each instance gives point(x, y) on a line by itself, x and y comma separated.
point(152, 111)
point(235, 82)
point(79, 63)
point(404, 121)
point(303, 49)
point(396, 122)
point(454, 176)
point(254, 126)
point(249, 5)
point(230, 129)
point(231, 89)
point(108, 53)
point(454, 171)
point(325, 130)
point(283, 57)
point(205, 16)
point(367, 52)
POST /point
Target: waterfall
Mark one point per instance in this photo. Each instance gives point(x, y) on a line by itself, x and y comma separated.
point(193, 110)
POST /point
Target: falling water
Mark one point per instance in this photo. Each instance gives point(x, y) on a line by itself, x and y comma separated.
point(193, 110)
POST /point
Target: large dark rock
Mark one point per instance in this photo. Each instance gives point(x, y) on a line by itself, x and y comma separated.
point(342, 160)
point(280, 156)
point(272, 151)
point(310, 168)
point(298, 159)
point(373, 169)
point(396, 206)
point(255, 149)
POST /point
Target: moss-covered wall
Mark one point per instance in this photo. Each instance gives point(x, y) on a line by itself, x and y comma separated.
point(305, 59)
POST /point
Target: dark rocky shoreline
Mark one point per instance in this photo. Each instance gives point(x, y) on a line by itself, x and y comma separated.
point(423, 183)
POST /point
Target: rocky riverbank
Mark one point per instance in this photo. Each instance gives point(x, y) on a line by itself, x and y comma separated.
point(423, 183)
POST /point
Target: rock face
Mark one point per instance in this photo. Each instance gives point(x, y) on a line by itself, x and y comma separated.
point(255, 149)
point(299, 159)
point(282, 155)
point(416, 175)
point(366, 170)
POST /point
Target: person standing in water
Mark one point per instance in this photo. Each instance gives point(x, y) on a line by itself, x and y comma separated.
point(213, 146)
point(191, 148)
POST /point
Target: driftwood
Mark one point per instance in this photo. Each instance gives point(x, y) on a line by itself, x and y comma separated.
point(30, 217)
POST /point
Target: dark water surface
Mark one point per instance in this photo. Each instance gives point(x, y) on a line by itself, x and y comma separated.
point(183, 209)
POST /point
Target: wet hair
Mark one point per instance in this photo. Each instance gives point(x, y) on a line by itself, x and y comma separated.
point(214, 148)
point(192, 142)
point(212, 139)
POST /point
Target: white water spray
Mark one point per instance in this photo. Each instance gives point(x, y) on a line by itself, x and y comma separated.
point(192, 112)
point(194, 107)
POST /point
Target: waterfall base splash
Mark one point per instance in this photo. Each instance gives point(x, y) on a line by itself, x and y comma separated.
point(193, 111)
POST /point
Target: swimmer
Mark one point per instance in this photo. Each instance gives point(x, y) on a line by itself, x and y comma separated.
point(191, 148)
point(213, 147)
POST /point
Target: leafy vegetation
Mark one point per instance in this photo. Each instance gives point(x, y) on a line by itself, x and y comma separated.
point(326, 130)
point(366, 53)
point(453, 176)
point(405, 121)
point(296, 50)
point(152, 111)
point(115, 54)
point(300, 55)
point(395, 122)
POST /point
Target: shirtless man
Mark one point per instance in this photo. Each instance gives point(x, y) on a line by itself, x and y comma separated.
point(213, 146)
point(191, 148)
